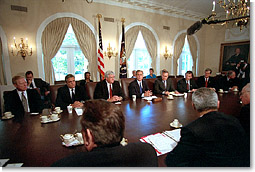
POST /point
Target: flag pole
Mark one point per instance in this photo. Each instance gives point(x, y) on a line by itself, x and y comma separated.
point(100, 55)
point(123, 66)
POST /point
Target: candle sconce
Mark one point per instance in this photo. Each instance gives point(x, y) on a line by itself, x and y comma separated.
point(109, 53)
point(167, 54)
point(22, 48)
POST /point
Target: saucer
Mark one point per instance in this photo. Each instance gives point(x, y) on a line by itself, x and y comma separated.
point(225, 91)
point(58, 112)
point(179, 125)
point(220, 92)
point(4, 117)
point(178, 94)
point(235, 90)
point(50, 120)
point(34, 113)
point(77, 141)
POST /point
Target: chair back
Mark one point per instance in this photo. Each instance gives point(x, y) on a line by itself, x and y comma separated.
point(150, 83)
point(4, 88)
point(54, 92)
point(90, 89)
point(124, 84)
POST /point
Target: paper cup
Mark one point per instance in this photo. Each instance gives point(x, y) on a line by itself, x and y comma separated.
point(134, 97)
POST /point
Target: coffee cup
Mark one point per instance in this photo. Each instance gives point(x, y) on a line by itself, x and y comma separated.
point(221, 90)
point(57, 109)
point(54, 116)
point(134, 97)
point(185, 95)
point(44, 118)
point(68, 138)
point(8, 114)
point(170, 96)
point(175, 122)
point(69, 109)
point(235, 89)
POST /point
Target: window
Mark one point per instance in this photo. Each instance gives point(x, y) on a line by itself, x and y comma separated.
point(140, 58)
point(69, 58)
point(185, 61)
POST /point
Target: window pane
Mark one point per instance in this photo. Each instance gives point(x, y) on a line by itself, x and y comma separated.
point(81, 64)
point(59, 63)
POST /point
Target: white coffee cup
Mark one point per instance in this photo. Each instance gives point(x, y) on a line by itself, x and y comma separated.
point(68, 138)
point(235, 89)
point(170, 96)
point(134, 97)
point(54, 116)
point(221, 90)
point(185, 95)
point(175, 122)
point(57, 109)
point(8, 114)
point(44, 118)
point(69, 109)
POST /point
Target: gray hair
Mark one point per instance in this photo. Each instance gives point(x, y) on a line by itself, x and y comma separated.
point(109, 72)
point(205, 99)
point(246, 88)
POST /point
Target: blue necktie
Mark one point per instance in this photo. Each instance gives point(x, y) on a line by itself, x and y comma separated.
point(141, 89)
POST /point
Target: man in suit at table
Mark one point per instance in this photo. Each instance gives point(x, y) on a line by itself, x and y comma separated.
point(214, 139)
point(21, 99)
point(103, 125)
point(44, 87)
point(109, 89)
point(187, 84)
point(139, 87)
point(71, 94)
point(164, 85)
point(228, 82)
point(206, 80)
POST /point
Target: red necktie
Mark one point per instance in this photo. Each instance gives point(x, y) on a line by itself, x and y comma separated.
point(206, 82)
point(110, 91)
point(187, 86)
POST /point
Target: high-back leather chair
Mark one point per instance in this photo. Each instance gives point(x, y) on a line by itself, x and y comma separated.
point(150, 83)
point(124, 84)
point(90, 89)
point(54, 92)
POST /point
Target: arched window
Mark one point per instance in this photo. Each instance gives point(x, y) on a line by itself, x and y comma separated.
point(140, 58)
point(69, 58)
point(185, 61)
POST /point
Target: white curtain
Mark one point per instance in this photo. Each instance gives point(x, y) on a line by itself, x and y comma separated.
point(52, 38)
point(193, 49)
point(87, 43)
point(131, 36)
point(2, 78)
point(178, 46)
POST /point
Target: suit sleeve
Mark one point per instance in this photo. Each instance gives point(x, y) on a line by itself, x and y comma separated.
point(132, 90)
point(171, 88)
point(157, 87)
point(181, 87)
point(194, 84)
point(120, 92)
point(98, 90)
point(185, 152)
point(36, 103)
point(60, 99)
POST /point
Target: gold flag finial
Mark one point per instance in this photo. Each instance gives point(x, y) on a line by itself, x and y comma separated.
point(122, 20)
point(99, 16)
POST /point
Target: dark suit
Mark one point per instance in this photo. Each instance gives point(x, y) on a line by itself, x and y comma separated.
point(201, 82)
point(182, 86)
point(13, 103)
point(159, 86)
point(244, 118)
point(240, 73)
point(64, 98)
point(83, 82)
point(134, 88)
point(225, 84)
point(131, 155)
point(213, 140)
point(101, 90)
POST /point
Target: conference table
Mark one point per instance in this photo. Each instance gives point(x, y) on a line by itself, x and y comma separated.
point(39, 145)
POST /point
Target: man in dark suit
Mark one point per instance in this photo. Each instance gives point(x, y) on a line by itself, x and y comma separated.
point(212, 140)
point(86, 80)
point(44, 87)
point(139, 87)
point(187, 84)
point(164, 85)
point(71, 94)
point(109, 89)
point(21, 99)
point(228, 82)
point(206, 80)
point(243, 73)
point(103, 125)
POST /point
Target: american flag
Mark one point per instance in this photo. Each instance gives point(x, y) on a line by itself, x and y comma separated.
point(100, 56)
point(123, 65)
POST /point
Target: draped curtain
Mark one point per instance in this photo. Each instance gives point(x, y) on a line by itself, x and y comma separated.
point(52, 38)
point(193, 51)
point(87, 43)
point(2, 78)
point(131, 37)
point(178, 46)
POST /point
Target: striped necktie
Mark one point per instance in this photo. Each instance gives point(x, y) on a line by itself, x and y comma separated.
point(24, 102)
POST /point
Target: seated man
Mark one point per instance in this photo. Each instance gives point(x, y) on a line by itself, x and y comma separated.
point(71, 94)
point(139, 87)
point(151, 75)
point(103, 125)
point(206, 80)
point(228, 82)
point(187, 84)
point(42, 85)
point(109, 89)
point(21, 99)
point(243, 73)
point(134, 74)
point(212, 140)
point(86, 80)
point(164, 85)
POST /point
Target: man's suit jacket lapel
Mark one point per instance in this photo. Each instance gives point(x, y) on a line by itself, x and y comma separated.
point(17, 98)
point(105, 89)
point(67, 93)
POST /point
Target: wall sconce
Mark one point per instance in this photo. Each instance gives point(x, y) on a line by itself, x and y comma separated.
point(110, 52)
point(166, 54)
point(22, 48)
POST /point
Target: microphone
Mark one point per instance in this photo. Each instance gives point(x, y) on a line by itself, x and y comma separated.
point(197, 26)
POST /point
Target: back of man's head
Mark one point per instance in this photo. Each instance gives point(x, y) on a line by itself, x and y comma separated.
point(105, 121)
point(205, 99)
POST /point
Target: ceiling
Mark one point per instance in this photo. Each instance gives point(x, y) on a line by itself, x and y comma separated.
point(188, 9)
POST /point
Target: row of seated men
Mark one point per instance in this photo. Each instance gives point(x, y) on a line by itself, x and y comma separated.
point(214, 139)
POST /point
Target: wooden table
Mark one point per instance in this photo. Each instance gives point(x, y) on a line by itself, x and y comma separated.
point(39, 145)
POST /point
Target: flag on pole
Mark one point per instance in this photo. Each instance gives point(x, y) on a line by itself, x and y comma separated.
point(100, 56)
point(123, 62)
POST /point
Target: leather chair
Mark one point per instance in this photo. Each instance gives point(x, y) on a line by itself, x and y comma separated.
point(150, 83)
point(174, 81)
point(124, 84)
point(54, 92)
point(59, 82)
point(90, 89)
